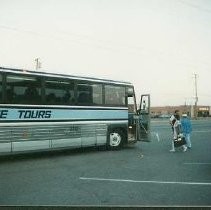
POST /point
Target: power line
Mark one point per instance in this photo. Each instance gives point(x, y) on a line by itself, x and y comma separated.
point(195, 6)
point(112, 48)
point(75, 41)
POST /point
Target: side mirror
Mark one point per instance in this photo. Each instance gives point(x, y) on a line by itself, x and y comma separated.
point(144, 118)
point(144, 104)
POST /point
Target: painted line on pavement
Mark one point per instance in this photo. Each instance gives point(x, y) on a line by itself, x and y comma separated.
point(197, 163)
point(137, 181)
point(157, 135)
point(202, 131)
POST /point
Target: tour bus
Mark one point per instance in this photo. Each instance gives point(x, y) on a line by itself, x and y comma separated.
point(47, 111)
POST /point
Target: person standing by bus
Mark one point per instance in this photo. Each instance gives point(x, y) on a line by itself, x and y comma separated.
point(172, 119)
point(177, 132)
point(186, 129)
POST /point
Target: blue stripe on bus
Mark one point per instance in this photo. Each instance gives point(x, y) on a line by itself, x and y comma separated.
point(59, 114)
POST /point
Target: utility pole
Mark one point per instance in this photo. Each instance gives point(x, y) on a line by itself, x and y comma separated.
point(196, 96)
point(37, 63)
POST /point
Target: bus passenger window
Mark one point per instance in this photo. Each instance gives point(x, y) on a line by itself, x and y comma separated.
point(131, 104)
point(67, 97)
point(31, 93)
point(115, 95)
point(97, 94)
point(84, 93)
point(84, 98)
point(59, 92)
point(89, 94)
point(1, 100)
point(23, 90)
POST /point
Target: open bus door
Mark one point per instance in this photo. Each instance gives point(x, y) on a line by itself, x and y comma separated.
point(144, 118)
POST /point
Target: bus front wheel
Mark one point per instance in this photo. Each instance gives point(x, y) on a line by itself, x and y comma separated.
point(116, 138)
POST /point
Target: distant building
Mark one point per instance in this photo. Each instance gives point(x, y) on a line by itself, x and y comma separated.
point(202, 111)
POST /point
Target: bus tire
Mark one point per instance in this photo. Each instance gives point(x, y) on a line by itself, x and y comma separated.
point(115, 139)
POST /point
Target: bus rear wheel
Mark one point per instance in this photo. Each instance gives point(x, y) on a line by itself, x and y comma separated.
point(115, 139)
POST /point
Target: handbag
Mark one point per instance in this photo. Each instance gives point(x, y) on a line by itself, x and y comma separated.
point(179, 141)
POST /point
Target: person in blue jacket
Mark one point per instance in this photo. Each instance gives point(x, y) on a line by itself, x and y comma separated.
point(186, 129)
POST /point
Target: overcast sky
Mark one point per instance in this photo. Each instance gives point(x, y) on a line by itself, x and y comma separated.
point(158, 45)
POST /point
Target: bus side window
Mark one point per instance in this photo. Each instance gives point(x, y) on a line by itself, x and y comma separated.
point(84, 98)
point(10, 95)
point(115, 95)
point(89, 93)
point(51, 98)
point(67, 98)
point(97, 94)
point(84, 91)
point(58, 92)
point(23, 89)
point(0, 88)
point(31, 95)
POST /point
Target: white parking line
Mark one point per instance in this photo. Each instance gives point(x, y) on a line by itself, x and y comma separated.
point(197, 163)
point(157, 135)
point(205, 131)
point(137, 181)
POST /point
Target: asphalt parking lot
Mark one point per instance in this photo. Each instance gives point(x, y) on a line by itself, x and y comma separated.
point(144, 174)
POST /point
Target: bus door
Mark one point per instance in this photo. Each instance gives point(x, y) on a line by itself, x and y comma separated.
point(133, 119)
point(144, 118)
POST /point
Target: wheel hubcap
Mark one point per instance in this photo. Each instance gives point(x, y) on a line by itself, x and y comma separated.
point(115, 139)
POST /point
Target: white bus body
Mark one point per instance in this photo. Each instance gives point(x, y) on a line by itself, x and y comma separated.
point(44, 111)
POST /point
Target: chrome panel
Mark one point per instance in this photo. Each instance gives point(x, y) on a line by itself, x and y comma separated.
point(101, 140)
point(73, 142)
point(88, 135)
point(30, 145)
point(101, 134)
point(93, 134)
point(5, 147)
point(88, 141)
point(34, 136)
